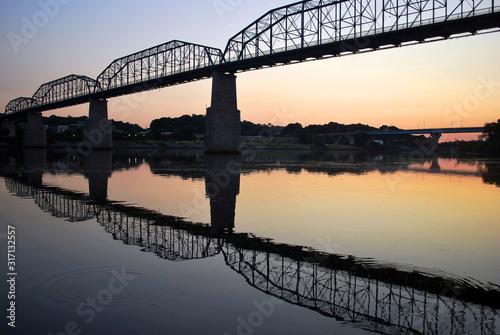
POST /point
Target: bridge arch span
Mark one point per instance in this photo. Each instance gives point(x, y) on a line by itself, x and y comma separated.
point(20, 104)
point(168, 59)
point(66, 88)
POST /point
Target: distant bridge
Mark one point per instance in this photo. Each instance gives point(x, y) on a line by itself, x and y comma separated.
point(435, 133)
point(302, 31)
point(461, 130)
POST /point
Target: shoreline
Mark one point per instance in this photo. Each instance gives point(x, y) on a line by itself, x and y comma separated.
point(124, 146)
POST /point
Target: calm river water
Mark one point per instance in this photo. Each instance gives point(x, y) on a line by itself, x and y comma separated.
point(263, 243)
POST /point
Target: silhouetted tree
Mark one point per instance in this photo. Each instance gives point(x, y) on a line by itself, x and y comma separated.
point(491, 132)
point(292, 130)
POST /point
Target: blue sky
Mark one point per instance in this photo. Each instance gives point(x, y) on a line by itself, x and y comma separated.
point(405, 86)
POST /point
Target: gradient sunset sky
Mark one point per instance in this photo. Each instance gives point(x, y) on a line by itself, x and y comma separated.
point(442, 84)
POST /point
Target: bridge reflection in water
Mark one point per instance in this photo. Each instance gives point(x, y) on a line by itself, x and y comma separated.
point(369, 294)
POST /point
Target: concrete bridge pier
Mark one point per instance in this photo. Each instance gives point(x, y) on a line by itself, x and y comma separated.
point(98, 130)
point(223, 132)
point(35, 135)
point(10, 125)
point(351, 139)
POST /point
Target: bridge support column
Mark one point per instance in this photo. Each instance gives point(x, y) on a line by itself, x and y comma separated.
point(10, 125)
point(223, 132)
point(99, 131)
point(435, 140)
point(35, 135)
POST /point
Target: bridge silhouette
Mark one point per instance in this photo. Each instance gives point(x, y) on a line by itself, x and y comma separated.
point(435, 134)
point(302, 31)
point(372, 295)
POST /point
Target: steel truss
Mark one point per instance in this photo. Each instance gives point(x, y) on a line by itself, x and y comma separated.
point(369, 302)
point(164, 60)
point(312, 23)
point(19, 105)
point(66, 88)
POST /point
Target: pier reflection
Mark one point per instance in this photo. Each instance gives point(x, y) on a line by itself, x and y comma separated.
point(371, 295)
point(222, 184)
point(97, 168)
point(33, 160)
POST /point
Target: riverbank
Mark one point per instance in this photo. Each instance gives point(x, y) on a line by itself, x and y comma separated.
point(191, 145)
